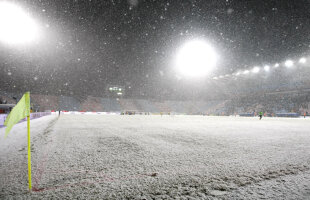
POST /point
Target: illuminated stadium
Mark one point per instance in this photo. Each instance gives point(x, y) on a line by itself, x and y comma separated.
point(243, 92)
point(136, 99)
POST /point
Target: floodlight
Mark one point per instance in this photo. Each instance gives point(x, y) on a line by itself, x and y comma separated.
point(266, 68)
point(196, 58)
point(255, 69)
point(276, 65)
point(302, 60)
point(16, 26)
point(289, 63)
point(246, 71)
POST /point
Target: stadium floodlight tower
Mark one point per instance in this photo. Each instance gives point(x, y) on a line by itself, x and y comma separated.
point(196, 58)
point(255, 70)
point(289, 63)
point(16, 25)
point(115, 90)
point(245, 72)
point(266, 68)
point(302, 60)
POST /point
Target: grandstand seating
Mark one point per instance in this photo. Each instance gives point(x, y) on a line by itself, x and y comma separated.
point(44, 102)
point(110, 105)
point(6, 99)
point(200, 107)
point(68, 103)
point(162, 106)
point(92, 104)
point(192, 107)
point(272, 103)
point(128, 104)
point(146, 106)
point(9, 97)
point(176, 106)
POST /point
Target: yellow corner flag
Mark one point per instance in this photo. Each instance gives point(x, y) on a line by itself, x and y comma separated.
point(19, 112)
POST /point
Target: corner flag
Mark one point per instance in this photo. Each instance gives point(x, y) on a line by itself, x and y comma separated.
point(19, 112)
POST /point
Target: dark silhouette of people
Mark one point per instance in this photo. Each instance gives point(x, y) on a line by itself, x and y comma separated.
point(260, 115)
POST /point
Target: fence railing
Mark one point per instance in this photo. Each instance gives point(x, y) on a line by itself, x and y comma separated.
point(32, 116)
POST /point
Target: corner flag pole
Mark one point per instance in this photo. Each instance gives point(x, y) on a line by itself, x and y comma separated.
point(29, 145)
point(20, 111)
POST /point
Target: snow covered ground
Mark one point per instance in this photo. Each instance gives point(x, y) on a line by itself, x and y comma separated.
point(154, 157)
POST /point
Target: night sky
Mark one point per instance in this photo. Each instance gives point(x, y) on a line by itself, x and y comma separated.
point(88, 45)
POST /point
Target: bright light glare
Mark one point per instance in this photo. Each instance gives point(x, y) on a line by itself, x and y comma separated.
point(16, 26)
point(276, 65)
point(246, 72)
point(196, 58)
point(302, 60)
point(255, 70)
point(289, 63)
point(266, 68)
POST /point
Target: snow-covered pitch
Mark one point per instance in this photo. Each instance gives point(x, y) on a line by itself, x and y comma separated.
point(154, 157)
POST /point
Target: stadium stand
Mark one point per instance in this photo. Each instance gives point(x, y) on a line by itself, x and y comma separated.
point(272, 103)
point(92, 104)
point(175, 106)
point(162, 106)
point(128, 104)
point(290, 103)
point(146, 105)
point(110, 105)
point(44, 102)
point(68, 103)
point(200, 107)
point(9, 98)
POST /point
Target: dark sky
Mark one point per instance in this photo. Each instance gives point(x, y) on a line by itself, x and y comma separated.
point(89, 45)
